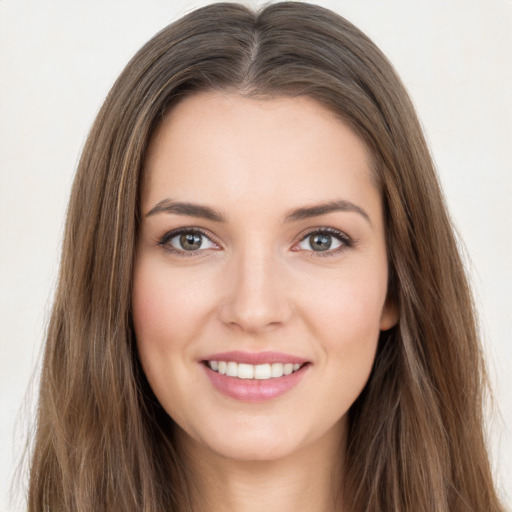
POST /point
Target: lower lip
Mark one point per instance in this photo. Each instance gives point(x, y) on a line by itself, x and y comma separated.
point(254, 390)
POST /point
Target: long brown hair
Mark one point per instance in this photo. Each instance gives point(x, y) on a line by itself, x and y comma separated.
point(415, 441)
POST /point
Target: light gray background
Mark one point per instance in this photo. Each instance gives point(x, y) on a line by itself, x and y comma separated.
point(58, 59)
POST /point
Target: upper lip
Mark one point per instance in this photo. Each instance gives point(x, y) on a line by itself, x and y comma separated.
point(255, 357)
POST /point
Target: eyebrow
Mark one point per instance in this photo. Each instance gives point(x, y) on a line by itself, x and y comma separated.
point(205, 212)
point(340, 205)
point(188, 209)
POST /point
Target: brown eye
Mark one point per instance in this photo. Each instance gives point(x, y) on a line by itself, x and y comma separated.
point(191, 241)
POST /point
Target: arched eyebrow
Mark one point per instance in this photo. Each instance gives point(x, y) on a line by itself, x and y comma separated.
point(188, 209)
point(340, 205)
point(206, 212)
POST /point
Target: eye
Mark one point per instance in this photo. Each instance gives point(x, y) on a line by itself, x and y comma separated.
point(324, 240)
point(186, 241)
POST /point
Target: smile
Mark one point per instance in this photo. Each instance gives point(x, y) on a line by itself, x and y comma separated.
point(256, 376)
point(253, 371)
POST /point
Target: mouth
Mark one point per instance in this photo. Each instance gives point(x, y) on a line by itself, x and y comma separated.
point(254, 377)
point(263, 371)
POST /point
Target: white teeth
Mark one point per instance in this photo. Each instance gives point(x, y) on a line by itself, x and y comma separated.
point(232, 370)
point(262, 372)
point(277, 370)
point(245, 371)
point(250, 371)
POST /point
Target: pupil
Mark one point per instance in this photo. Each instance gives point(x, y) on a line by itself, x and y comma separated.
point(190, 241)
point(320, 242)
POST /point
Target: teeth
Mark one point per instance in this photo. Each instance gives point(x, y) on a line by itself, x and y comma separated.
point(232, 370)
point(256, 371)
point(245, 371)
point(262, 372)
point(277, 370)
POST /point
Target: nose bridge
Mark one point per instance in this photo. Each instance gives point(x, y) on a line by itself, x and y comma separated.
point(256, 297)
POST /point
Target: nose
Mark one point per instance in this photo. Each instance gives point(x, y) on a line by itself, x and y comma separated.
point(256, 296)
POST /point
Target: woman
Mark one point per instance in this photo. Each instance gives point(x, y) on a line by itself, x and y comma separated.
point(261, 304)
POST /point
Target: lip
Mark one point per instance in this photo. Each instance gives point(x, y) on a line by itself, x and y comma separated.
point(253, 390)
point(255, 357)
point(249, 390)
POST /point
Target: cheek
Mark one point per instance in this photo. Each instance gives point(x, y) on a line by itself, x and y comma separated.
point(166, 317)
point(166, 305)
point(349, 310)
point(347, 321)
point(352, 336)
point(149, 305)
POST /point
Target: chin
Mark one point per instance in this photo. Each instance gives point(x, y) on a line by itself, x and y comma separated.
point(256, 444)
point(256, 451)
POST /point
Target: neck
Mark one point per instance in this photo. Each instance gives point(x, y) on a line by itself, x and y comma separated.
point(309, 479)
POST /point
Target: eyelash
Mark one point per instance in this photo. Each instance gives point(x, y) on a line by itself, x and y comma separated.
point(345, 241)
point(343, 238)
point(164, 240)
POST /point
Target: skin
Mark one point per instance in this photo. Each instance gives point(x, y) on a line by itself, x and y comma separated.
point(256, 284)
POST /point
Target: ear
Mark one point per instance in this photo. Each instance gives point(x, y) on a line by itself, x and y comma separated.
point(390, 314)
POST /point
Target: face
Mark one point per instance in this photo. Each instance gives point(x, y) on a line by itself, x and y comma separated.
point(260, 279)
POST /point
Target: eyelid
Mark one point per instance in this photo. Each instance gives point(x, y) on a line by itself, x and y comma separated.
point(164, 240)
point(346, 240)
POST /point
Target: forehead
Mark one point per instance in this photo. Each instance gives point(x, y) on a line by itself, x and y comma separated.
point(224, 146)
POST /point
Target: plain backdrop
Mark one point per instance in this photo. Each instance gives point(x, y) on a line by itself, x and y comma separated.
point(58, 59)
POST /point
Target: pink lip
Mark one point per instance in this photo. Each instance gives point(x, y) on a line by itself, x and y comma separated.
point(249, 390)
point(255, 357)
point(253, 390)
